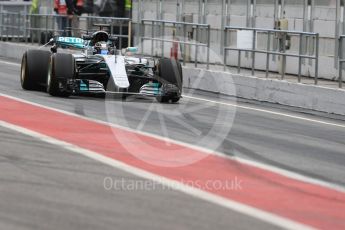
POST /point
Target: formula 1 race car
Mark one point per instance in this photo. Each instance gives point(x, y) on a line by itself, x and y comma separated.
point(100, 69)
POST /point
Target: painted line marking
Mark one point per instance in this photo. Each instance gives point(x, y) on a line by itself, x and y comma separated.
point(265, 190)
point(274, 169)
point(245, 161)
point(10, 63)
point(218, 200)
point(283, 172)
point(266, 111)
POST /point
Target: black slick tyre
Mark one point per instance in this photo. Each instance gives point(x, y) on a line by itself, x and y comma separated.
point(61, 69)
point(34, 69)
point(170, 72)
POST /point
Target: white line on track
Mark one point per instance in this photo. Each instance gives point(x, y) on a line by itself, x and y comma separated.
point(178, 186)
point(280, 171)
point(266, 111)
point(9, 63)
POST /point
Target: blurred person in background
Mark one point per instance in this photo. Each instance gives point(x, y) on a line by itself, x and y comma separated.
point(105, 8)
point(128, 8)
point(78, 7)
point(88, 7)
point(65, 9)
point(117, 9)
point(34, 19)
point(34, 9)
point(78, 10)
point(113, 8)
point(37, 22)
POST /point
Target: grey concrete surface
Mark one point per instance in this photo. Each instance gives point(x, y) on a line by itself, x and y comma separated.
point(43, 186)
point(308, 148)
point(16, 50)
point(319, 98)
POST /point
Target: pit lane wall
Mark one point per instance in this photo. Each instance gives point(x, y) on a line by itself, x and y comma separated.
point(275, 91)
point(16, 50)
point(310, 97)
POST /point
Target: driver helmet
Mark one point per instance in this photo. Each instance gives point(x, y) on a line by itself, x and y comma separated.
point(102, 48)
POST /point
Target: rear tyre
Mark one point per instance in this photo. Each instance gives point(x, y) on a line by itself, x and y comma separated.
point(162, 99)
point(167, 99)
point(34, 69)
point(175, 100)
point(170, 72)
point(61, 69)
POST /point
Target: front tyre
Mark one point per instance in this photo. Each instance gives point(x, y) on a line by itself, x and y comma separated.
point(34, 69)
point(61, 69)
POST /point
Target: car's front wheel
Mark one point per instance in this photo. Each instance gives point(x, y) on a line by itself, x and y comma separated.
point(61, 69)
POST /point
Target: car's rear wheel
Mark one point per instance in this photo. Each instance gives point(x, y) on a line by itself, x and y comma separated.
point(167, 99)
point(175, 99)
point(61, 69)
point(170, 72)
point(34, 69)
point(162, 99)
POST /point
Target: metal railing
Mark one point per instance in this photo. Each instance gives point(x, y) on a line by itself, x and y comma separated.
point(282, 52)
point(341, 60)
point(163, 25)
point(20, 26)
point(29, 28)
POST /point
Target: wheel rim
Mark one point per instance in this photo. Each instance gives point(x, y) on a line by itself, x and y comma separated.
point(49, 78)
point(22, 72)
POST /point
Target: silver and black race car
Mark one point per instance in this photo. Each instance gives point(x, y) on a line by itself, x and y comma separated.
point(100, 68)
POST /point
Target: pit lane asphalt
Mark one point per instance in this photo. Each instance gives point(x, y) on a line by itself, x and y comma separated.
point(43, 186)
point(308, 148)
